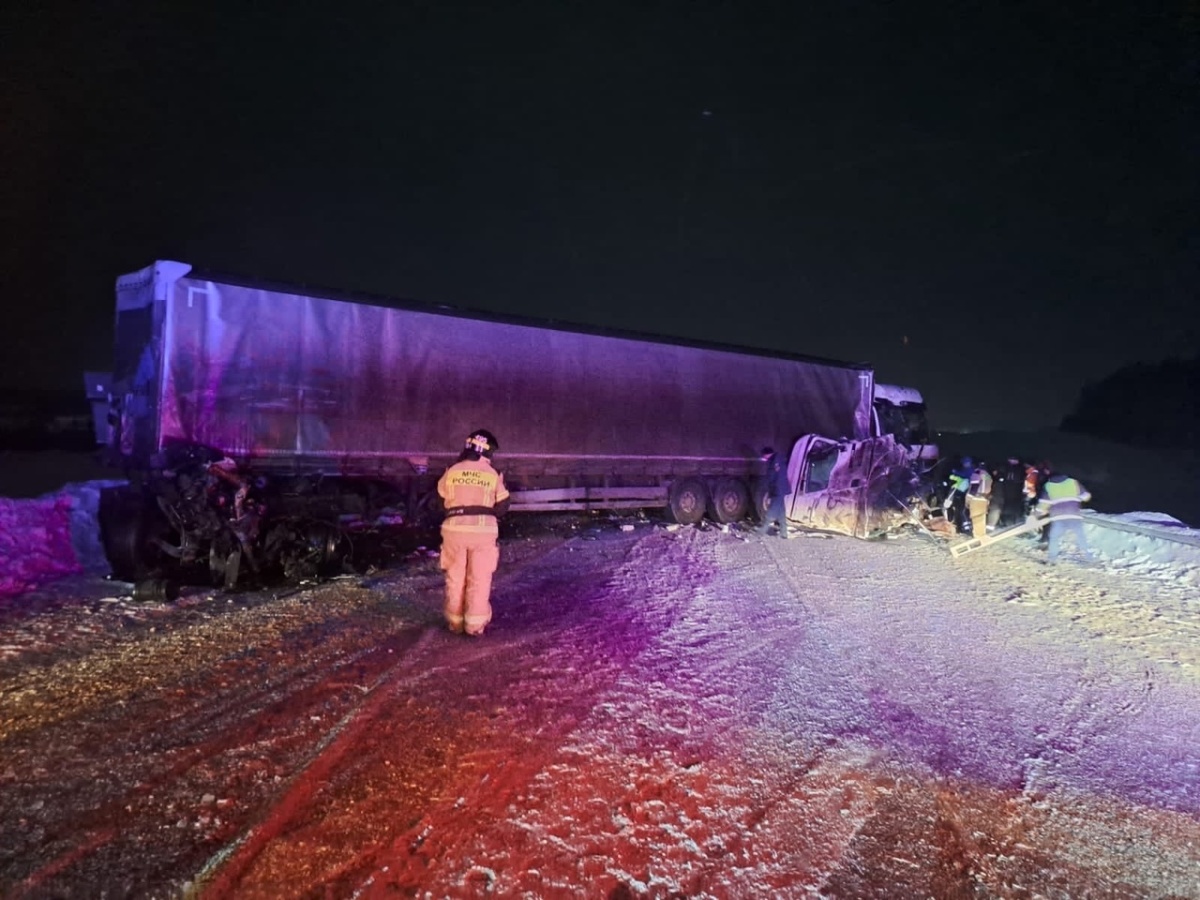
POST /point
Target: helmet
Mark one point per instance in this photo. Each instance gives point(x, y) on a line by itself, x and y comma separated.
point(482, 442)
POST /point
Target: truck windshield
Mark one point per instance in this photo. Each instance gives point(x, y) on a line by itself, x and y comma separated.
point(821, 460)
point(906, 421)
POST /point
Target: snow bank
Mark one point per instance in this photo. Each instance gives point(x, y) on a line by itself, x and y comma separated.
point(1147, 543)
point(50, 536)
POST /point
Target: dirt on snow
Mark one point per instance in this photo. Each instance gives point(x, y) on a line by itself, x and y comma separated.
point(656, 712)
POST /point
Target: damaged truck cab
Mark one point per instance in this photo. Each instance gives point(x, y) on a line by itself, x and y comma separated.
point(901, 412)
point(262, 425)
point(858, 488)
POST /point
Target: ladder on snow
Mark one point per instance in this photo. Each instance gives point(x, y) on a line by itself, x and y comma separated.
point(978, 543)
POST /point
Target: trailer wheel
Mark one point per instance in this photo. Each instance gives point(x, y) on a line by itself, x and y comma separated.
point(689, 500)
point(128, 527)
point(427, 511)
point(761, 504)
point(730, 500)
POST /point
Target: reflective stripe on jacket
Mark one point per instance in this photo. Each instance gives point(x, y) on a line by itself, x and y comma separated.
point(471, 482)
point(981, 483)
point(1063, 496)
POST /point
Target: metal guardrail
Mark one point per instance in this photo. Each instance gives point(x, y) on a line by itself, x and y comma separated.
point(1165, 533)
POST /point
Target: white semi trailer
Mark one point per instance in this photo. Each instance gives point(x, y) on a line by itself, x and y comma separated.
point(255, 420)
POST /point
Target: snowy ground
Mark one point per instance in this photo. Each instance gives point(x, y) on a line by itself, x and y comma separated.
point(771, 719)
point(662, 712)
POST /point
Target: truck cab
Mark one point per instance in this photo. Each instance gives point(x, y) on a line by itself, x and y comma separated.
point(901, 412)
point(859, 488)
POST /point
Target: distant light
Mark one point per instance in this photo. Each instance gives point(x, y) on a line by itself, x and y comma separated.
point(707, 113)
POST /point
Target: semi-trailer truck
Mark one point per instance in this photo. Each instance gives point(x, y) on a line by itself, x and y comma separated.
point(258, 423)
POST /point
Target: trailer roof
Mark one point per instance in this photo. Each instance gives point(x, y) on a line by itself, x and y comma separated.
point(370, 299)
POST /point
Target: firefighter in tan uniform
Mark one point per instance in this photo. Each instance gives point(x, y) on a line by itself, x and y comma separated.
point(475, 497)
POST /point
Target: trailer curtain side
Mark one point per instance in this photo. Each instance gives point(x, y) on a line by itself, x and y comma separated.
point(270, 374)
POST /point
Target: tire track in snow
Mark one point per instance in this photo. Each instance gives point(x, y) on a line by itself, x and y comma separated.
point(683, 810)
point(975, 685)
point(964, 680)
point(1136, 642)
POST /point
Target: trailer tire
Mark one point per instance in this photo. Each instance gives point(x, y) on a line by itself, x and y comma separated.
point(689, 500)
point(761, 504)
point(128, 526)
point(427, 511)
point(730, 500)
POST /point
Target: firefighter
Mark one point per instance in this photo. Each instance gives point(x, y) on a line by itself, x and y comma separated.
point(1064, 496)
point(979, 496)
point(475, 497)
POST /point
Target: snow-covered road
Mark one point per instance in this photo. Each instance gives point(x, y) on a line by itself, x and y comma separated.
point(664, 712)
point(862, 719)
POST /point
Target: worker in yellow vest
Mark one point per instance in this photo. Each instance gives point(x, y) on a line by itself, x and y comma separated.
point(1064, 496)
point(475, 497)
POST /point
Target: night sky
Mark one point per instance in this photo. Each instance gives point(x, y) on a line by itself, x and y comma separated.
point(994, 202)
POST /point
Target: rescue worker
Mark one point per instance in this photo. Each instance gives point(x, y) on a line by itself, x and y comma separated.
point(1008, 485)
point(1064, 496)
point(955, 505)
point(979, 495)
point(996, 503)
point(1032, 486)
point(777, 488)
point(475, 497)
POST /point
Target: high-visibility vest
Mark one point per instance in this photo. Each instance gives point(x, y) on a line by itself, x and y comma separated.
point(1063, 497)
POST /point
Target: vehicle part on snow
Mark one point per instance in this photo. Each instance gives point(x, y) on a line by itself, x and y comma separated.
point(1031, 524)
point(156, 590)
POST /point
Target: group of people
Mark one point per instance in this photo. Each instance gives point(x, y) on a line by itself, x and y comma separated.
point(980, 500)
point(983, 500)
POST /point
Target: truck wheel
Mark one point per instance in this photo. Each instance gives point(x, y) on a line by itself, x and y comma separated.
point(128, 526)
point(761, 504)
point(730, 500)
point(689, 500)
point(427, 511)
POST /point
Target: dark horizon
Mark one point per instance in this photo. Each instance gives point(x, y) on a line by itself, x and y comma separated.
point(995, 206)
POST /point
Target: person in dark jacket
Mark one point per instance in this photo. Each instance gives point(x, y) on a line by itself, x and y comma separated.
point(777, 488)
point(955, 504)
point(1008, 494)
